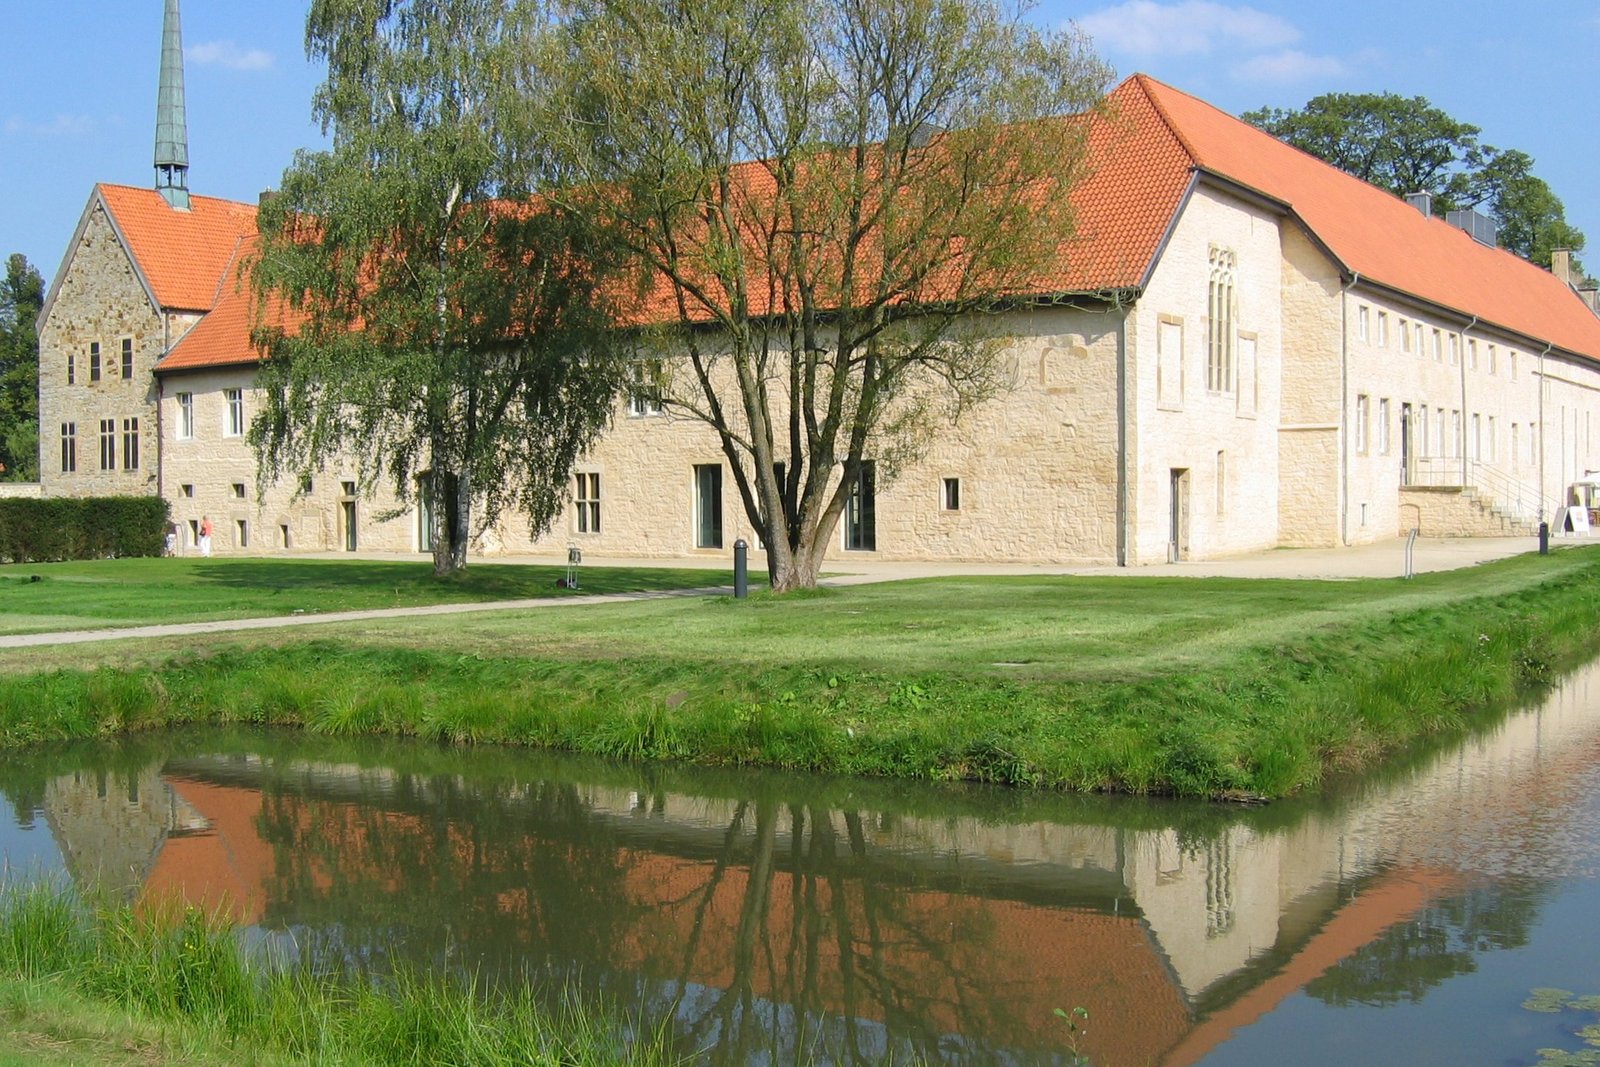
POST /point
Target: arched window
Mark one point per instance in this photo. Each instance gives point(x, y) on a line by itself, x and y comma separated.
point(1220, 308)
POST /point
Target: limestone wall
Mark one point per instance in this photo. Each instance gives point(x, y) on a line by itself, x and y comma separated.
point(212, 474)
point(1310, 426)
point(100, 301)
point(1182, 424)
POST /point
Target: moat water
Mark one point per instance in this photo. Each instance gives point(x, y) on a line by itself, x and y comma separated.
point(1401, 919)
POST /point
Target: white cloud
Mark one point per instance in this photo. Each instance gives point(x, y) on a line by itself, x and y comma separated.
point(229, 55)
point(1289, 65)
point(1146, 28)
point(60, 126)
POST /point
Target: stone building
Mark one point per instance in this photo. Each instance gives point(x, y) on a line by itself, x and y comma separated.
point(1243, 348)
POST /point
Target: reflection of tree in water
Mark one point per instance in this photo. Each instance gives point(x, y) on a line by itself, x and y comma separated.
point(498, 880)
point(1442, 941)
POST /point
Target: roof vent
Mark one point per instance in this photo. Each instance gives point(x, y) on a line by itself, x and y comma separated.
point(1480, 226)
point(1423, 202)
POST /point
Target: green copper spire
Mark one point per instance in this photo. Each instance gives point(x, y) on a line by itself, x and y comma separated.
point(172, 124)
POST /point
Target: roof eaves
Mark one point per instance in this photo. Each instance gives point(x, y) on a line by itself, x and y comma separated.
point(161, 368)
point(1469, 319)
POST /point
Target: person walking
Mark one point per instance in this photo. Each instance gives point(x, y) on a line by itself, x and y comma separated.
point(205, 535)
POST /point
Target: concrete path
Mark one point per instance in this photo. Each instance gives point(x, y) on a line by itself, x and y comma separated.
point(1384, 560)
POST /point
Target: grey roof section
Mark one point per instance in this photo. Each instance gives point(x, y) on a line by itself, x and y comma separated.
point(172, 123)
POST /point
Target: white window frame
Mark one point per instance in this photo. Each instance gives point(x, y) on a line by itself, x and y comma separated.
point(233, 413)
point(185, 416)
point(1383, 426)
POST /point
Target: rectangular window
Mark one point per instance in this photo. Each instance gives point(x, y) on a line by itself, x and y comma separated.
point(644, 391)
point(130, 444)
point(1362, 404)
point(127, 358)
point(1169, 363)
point(1422, 431)
point(1516, 444)
point(1477, 437)
point(1455, 351)
point(1442, 450)
point(860, 511)
point(1494, 444)
point(708, 505)
point(187, 488)
point(185, 416)
point(1383, 426)
point(1361, 322)
point(242, 533)
point(108, 444)
point(1405, 336)
point(72, 368)
point(952, 494)
point(235, 412)
point(1220, 307)
point(1472, 355)
point(587, 501)
point(1222, 484)
point(1420, 336)
point(1383, 329)
point(94, 361)
point(1438, 346)
point(1457, 438)
point(238, 490)
point(1513, 358)
point(69, 447)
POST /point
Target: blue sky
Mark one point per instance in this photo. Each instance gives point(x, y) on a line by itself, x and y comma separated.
point(77, 104)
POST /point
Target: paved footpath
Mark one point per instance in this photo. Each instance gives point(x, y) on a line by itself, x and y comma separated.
point(1383, 560)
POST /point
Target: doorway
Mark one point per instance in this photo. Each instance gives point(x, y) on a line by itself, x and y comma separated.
point(347, 516)
point(1178, 537)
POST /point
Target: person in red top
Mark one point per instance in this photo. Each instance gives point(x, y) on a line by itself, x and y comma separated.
point(205, 535)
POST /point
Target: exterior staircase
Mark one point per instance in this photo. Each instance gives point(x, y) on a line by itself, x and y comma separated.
point(1492, 505)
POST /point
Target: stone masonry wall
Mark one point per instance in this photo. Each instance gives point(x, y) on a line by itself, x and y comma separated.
point(101, 301)
point(1309, 426)
point(1179, 423)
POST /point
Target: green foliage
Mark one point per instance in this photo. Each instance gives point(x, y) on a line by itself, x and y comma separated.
point(1407, 145)
point(1552, 1001)
point(185, 969)
point(446, 331)
point(34, 530)
point(21, 299)
point(834, 188)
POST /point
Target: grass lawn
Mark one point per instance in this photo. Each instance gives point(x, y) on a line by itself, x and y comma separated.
point(1195, 686)
point(43, 597)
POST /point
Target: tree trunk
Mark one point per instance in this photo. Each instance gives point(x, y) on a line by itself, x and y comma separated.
point(452, 512)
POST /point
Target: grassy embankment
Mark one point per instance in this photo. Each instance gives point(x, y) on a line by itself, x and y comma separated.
point(36, 598)
point(113, 987)
point(1192, 686)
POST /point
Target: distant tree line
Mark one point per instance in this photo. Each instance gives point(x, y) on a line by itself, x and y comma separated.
point(21, 298)
point(1407, 145)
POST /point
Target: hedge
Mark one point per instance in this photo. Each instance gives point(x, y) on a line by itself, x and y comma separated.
point(97, 527)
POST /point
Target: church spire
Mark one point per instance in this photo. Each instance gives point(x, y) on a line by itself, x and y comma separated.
point(172, 126)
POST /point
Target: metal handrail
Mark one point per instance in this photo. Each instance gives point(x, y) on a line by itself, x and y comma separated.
point(1504, 490)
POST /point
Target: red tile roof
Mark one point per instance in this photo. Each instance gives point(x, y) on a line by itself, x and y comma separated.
point(1143, 151)
point(1379, 236)
point(181, 253)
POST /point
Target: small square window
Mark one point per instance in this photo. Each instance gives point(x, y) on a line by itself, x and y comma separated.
point(348, 488)
point(305, 485)
point(952, 494)
point(238, 490)
point(187, 489)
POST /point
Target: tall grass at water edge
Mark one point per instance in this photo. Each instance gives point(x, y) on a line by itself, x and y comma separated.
point(185, 969)
point(1253, 717)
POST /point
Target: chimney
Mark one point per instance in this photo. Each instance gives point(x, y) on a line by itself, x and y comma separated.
point(1561, 264)
point(1423, 202)
point(266, 195)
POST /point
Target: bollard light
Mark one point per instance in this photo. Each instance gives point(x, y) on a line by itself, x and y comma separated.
point(741, 569)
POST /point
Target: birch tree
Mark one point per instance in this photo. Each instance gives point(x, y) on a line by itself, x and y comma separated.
point(421, 314)
point(828, 196)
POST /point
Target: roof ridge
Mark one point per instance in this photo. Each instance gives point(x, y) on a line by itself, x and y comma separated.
point(1144, 81)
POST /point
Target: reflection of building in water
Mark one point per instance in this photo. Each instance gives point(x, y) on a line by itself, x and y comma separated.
point(1169, 939)
point(111, 827)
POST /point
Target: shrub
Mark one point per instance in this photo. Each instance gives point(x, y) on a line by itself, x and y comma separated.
point(100, 527)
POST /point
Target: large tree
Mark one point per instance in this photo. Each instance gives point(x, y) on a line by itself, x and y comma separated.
point(21, 298)
point(828, 196)
point(421, 314)
point(1407, 145)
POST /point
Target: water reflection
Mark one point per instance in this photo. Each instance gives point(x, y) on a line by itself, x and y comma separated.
point(770, 915)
